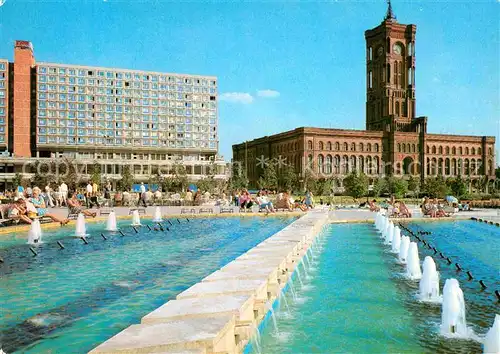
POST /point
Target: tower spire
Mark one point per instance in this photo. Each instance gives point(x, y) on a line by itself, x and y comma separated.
point(389, 15)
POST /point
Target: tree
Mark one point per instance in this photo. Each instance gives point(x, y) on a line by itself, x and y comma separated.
point(435, 187)
point(238, 179)
point(458, 187)
point(396, 186)
point(18, 180)
point(44, 173)
point(95, 176)
point(497, 172)
point(414, 185)
point(288, 178)
point(379, 186)
point(125, 183)
point(324, 186)
point(179, 178)
point(269, 179)
point(356, 185)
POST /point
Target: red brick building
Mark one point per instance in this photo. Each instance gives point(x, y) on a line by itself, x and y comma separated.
point(395, 141)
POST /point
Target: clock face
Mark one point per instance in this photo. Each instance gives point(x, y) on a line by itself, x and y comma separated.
point(397, 49)
point(380, 51)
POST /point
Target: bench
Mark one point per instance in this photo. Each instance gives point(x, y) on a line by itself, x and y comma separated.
point(206, 210)
point(139, 210)
point(105, 211)
point(226, 210)
point(188, 211)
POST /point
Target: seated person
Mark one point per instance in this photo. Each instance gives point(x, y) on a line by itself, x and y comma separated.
point(404, 211)
point(264, 202)
point(118, 198)
point(373, 206)
point(17, 211)
point(245, 200)
point(75, 207)
point(283, 202)
point(41, 209)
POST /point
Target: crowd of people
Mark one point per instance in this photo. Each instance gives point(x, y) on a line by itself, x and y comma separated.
point(263, 200)
point(28, 204)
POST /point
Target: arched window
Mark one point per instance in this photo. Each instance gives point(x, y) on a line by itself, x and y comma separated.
point(336, 164)
point(353, 146)
point(440, 167)
point(345, 165)
point(320, 163)
point(361, 147)
point(467, 167)
point(337, 146)
point(404, 109)
point(310, 145)
point(396, 75)
point(401, 77)
point(399, 147)
point(369, 166)
point(479, 166)
point(440, 150)
point(388, 73)
point(453, 150)
point(454, 167)
point(489, 151)
point(473, 151)
point(434, 166)
point(473, 167)
point(479, 151)
point(428, 166)
point(369, 147)
point(370, 53)
point(352, 164)
point(397, 109)
point(329, 146)
point(376, 147)
point(328, 166)
point(460, 167)
point(447, 150)
point(404, 148)
point(377, 165)
point(361, 164)
point(466, 150)
point(310, 161)
point(491, 168)
point(296, 146)
point(346, 147)
point(370, 79)
point(433, 149)
point(447, 166)
point(414, 148)
point(321, 145)
point(460, 151)
point(428, 149)
point(410, 76)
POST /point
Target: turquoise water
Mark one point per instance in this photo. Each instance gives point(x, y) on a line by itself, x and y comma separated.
point(72, 299)
point(355, 298)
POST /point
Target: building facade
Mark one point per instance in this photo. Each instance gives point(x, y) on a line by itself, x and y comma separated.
point(113, 116)
point(395, 142)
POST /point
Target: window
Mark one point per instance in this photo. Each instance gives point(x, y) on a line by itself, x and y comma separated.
point(346, 147)
point(376, 147)
point(329, 146)
point(453, 150)
point(321, 146)
point(369, 147)
point(473, 151)
point(388, 73)
point(370, 53)
point(410, 76)
point(320, 163)
point(467, 151)
point(361, 146)
point(337, 146)
point(370, 79)
point(309, 145)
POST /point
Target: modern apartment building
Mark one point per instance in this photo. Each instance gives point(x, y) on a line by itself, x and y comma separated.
point(113, 116)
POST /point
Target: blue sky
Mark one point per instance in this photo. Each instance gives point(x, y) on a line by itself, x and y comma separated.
point(280, 65)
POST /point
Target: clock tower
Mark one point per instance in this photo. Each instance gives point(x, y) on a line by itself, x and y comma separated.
point(390, 76)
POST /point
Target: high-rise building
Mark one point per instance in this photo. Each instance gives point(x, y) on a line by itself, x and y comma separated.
point(395, 142)
point(113, 116)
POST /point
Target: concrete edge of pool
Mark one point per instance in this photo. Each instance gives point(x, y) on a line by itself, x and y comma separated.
point(221, 313)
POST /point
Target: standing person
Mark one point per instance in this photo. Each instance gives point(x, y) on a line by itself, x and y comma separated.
point(88, 195)
point(189, 197)
point(107, 194)
point(48, 194)
point(309, 199)
point(63, 188)
point(142, 195)
point(20, 191)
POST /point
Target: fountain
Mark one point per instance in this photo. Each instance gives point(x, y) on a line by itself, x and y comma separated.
point(492, 338)
point(35, 233)
point(403, 249)
point(157, 216)
point(294, 295)
point(111, 223)
point(81, 230)
point(429, 284)
point(389, 236)
point(285, 301)
point(299, 276)
point(396, 240)
point(453, 311)
point(136, 219)
point(413, 271)
point(387, 229)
